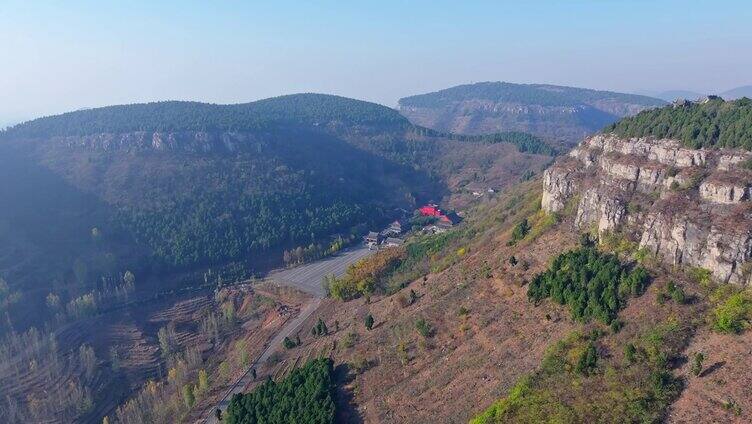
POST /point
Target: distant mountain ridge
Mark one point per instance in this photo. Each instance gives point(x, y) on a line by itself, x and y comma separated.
point(559, 113)
point(732, 94)
point(671, 95)
point(737, 93)
point(298, 109)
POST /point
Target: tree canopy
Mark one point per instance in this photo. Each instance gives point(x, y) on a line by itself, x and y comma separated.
point(305, 396)
point(590, 283)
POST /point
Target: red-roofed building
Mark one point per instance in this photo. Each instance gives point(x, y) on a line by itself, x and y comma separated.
point(434, 211)
point(431, 210)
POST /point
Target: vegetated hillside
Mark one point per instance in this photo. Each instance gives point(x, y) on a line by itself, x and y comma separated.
point(674, 210)
point(189, 184)
point(688, 206)
point(187, 196)
point(165, 187)
point(709, 123)
point(556, 113)
point(171, 116)
point(621, 295)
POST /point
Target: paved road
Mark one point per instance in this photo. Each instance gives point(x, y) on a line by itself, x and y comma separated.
point(308, 279)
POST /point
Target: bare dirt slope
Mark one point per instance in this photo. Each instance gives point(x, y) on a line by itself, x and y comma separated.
point(721, 393)
point(472, 358)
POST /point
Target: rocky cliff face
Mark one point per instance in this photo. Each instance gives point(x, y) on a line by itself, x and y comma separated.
point(186, 141)
point(566, 124)
point(688, 207)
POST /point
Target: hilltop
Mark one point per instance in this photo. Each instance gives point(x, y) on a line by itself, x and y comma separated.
point(558, 113)
point(709, 123)
point(172, 116)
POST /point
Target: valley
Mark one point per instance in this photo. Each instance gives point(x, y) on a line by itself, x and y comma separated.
point(156, 204)
point(193, 264)
point(375, 212)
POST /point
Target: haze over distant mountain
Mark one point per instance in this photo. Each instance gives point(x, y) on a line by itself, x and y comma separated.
point(738, 92)
point(671, 95)
point(557, 113)
point(732, 94)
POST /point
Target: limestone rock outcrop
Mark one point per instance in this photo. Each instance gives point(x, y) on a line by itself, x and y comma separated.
point(690, 207)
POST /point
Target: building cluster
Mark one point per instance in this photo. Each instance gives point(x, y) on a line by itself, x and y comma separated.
point(394, 234)
point(388, 237)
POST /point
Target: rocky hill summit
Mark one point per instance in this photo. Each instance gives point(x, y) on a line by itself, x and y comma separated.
point(556, 113)
point(686, 206)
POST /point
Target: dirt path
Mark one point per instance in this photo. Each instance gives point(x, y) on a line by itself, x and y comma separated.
point(247, 378)
point(308, 279)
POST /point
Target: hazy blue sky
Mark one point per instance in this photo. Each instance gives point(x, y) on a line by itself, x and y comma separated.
point(64, 55)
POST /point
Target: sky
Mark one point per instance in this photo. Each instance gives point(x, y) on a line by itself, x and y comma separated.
point(59, 56)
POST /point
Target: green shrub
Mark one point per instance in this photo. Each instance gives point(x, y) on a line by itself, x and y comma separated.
point(320, 328)
point(734, 314)
point(519, 232)
point(701, 275)
point(349, 340)
point(677, 293)
point(588, 360)
point(630, 353)
point(590, 283)
point(288, 343)
point(424, 328)
point(697, 360)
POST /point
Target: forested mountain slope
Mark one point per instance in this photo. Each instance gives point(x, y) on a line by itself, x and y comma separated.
point(185, 196)
point(557, 113)
point(171, 186)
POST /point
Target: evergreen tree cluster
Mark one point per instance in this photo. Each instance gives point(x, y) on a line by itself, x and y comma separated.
point(711, 124)
point(305, 396)
point(590, 283)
